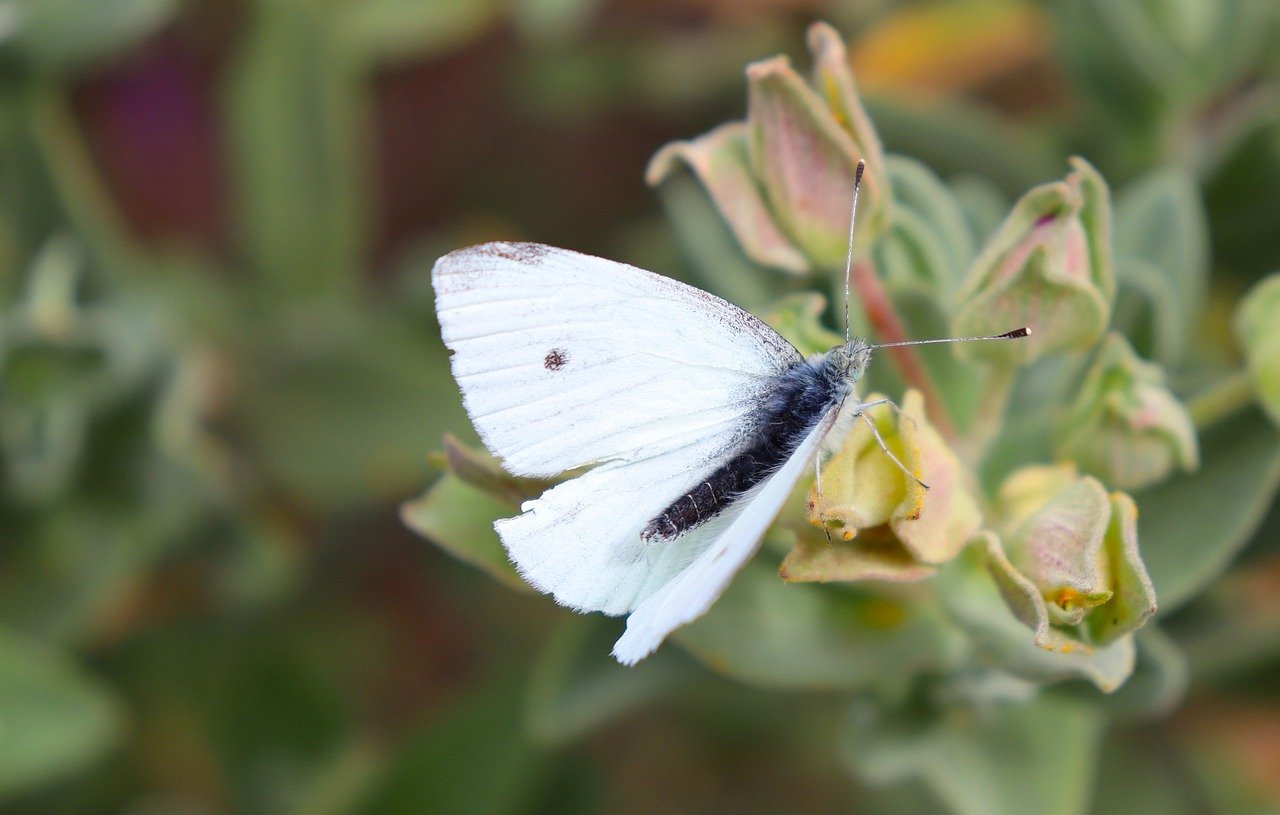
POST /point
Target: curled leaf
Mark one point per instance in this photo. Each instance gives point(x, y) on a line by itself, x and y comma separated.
point(720, 162)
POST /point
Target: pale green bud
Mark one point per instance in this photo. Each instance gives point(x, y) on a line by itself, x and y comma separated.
point(1049, 267)
point(1125, 426)
point(1258, 327)
point(1067, 560)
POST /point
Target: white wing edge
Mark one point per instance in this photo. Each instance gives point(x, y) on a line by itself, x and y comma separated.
point(688, 595)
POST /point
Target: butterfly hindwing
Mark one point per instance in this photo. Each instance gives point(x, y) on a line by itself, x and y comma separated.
point(688, 595)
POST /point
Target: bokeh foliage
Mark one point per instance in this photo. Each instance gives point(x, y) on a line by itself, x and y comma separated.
point(220, 377)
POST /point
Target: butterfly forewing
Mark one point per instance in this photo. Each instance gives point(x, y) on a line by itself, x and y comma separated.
point(566, 360)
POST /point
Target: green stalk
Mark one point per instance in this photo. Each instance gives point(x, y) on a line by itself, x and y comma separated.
point(1222, 399)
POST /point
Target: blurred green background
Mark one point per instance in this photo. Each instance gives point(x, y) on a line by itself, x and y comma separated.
point(220, 376)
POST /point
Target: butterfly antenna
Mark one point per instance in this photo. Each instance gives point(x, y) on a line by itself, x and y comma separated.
point(1015, 334)
point(848, 260)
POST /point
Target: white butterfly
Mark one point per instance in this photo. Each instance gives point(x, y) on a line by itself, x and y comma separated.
point(699, 417)
point(696, 417)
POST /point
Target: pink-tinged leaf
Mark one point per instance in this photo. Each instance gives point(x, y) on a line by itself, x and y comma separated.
point(1048, 266)
point(719, 160)
point(1133, 599)
point(947, 515)
point(804, 159)
point(833, 79)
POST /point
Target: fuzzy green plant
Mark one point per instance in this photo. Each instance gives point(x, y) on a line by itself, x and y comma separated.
point(1079, 491)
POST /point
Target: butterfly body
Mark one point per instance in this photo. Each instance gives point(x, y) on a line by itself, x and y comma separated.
point(792, 405)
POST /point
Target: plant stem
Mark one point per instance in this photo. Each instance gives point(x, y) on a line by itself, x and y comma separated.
point(1223, 398)
point(889, 327)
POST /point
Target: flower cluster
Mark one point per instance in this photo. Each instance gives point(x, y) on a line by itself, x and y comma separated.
point(1060, 551)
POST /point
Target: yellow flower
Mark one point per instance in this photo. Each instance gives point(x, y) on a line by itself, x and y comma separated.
point(884, 525)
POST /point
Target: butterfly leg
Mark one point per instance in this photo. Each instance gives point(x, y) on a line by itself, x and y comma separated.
point(892, 404)
point(817, 485)
point(880, 439)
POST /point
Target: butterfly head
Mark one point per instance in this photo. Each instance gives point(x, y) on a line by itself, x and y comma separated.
point(851, 359)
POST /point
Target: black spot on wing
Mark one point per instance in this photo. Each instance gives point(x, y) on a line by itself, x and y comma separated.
point(555, 359)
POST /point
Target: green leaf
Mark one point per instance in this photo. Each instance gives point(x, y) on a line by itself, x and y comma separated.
point(344, 405)
point(802, 636)
point(1105, 65)
point(981, 203)
point(1178, 52)
point(1191, 526)
point(1124, 425)
point(295, 106)
point(60, 35)
point(1256, 324)
point(1160, 679)
point(999, 760)
point(479, 468)
point(929, 245)
point(1132, 777)
point(1041, 393)
point(54, 719)
point(473, 760)
point(706, 238)
point(957, 136)
point(1147, 310)
point(912, 257)
point(376, 31)
point(554, 21)
point(459, 519)
point(576, 687)
point(59, 588)
point(1160, 223)
point(798, 318)
point(964, 386)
